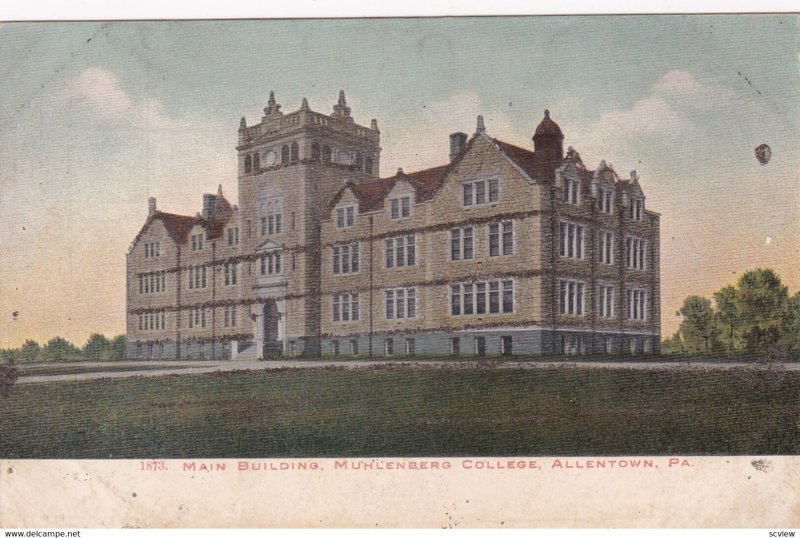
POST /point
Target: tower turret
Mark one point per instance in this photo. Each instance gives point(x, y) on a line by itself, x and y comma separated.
point(548, 140)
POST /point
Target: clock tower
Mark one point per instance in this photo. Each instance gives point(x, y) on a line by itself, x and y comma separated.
point(290, 165)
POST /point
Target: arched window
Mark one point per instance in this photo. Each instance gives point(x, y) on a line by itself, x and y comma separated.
point(256, 162)
point(295, 152)
point(285, 155)
point(326, 154)
point(359, 161)
point(316, 152)
point(368, 165)
point(248, 164)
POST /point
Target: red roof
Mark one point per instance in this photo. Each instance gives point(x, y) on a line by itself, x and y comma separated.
point(527, 160)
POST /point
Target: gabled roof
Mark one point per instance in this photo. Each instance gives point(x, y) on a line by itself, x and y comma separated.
point(528, 161)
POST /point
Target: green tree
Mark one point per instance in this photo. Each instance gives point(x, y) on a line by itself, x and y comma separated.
point(29, 351)
point(698, 330)
point(118, 347)
point(792, 324)
point(59, 349)
point(97, 347)
point(761, 305)
point(728, 316)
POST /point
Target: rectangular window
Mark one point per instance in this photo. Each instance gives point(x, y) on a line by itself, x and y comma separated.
point(455, 346)
point(401, 251)
point(263, 225)
point(636, 253)
point(400, 208)
point(346, 306)
point(335, 347)
point(606, 200)
point(506, 345)
point(572, 191)
point(345, 217)
point(345, 259)
point(480, 346)
point(411, 347)
point(501, 238)
point(480, 192)
point(354, 347)
point(471, 298)
point(636, 209)
point(606, 247)
point(605, 301)
point(249, 229)
point(637, 303)
point(571, 297)
point(462, 243)
point(400, 303)
point(388, 347)
point(571, 240)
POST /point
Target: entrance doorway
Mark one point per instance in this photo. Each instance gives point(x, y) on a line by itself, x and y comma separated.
point(273, 348)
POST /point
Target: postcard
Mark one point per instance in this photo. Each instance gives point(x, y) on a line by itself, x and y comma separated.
point(516, 271)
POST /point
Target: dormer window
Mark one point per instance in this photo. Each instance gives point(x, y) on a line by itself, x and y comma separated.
point(345, 216)
point(480, 192)
point(636, 208)
point(606, 200)
point(197, 241)
point(400, 208)
point(572, 191)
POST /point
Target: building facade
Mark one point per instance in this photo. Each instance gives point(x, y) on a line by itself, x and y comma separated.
point(500, 251)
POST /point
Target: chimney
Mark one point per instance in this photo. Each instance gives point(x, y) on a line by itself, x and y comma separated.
point(209, 206)
point(458, 141)
point(151, 206)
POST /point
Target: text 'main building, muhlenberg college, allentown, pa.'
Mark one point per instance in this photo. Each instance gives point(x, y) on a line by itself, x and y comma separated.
point(500, 251)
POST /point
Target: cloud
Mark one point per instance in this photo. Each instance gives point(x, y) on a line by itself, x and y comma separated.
point(99, 90)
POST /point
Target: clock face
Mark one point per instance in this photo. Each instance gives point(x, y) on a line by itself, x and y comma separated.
point(270, 158)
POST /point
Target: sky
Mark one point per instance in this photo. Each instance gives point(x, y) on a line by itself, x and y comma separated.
point(97, 116)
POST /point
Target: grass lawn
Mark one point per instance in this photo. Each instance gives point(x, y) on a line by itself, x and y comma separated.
point(403, 411)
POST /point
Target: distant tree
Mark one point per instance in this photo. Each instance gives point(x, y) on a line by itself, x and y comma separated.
point(29, 351)
point(672, 345)
point(698, 330)
point(728, 316)
point(118, 347)
point(761, 305)
point(8, 376)
point(98, 347)
point(59, 348)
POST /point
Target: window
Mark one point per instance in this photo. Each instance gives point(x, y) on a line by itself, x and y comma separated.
point(256, 162)
point(501, 238)
point(334, 347)
point(359, 161)
point(606, 247)
point(480, 192)
point(345, 259)
point(636, 253)
point(571, 344)
point(455, 346)
point(233, 236)
point(480, 346)
point(316, 152)
point(197, 277)
point(572, 191)
point(606, 200)
point(411, 347)
point(345, 306)
point(197, 317)
point(368, 165)
point(197, 241)
point(636, 208)
point(637, 302)
point(571, 240)
point(605, 301)
point(152, 250)
point(248, 164)
point(230, 274)
point(285, 155)
point(401, 251)
point(295, 152)
point(326, 154)
point(354, 347)
point(401, 303)
point(271, 264)
point(153, 282)
point(249, 229)
point(345, 216)
point(506, 345)
point(230, 316)
point(492, 297)
point(461, 243)
point(400, 208)
point(571, 297)
point(388, 346)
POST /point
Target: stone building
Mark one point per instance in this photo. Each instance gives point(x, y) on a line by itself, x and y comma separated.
point(500, 251)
